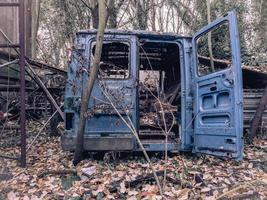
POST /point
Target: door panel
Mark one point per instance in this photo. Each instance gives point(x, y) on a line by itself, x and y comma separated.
point(118, 76)
point(218, 125)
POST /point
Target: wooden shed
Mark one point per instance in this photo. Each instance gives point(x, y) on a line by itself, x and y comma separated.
point(9, 24)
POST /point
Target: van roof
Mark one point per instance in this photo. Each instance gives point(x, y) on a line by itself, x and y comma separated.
point(138, 33)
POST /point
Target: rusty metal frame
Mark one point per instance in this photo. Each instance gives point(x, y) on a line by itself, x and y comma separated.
point(10, 4)
point(22, 63)
point(9, 46)
point(22, 82)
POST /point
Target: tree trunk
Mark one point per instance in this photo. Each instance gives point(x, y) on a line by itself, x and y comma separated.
point(35, 26)
point(263, 23)
point(93, 74)
point(153, 16)
point(258, 115)
point(95, 17)
point(142, 14)
point(112, 13)
point(209, 37)
point(93, 4)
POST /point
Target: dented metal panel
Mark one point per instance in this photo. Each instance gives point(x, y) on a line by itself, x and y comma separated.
point(123, 92)
point(218, 101)
point(207, 109)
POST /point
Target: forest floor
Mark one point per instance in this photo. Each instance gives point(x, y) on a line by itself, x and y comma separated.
point(50, 174)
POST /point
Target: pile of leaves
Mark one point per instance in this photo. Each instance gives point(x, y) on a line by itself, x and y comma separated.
point(50, 174)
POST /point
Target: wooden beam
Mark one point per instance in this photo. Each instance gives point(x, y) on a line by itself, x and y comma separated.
point(258, 115)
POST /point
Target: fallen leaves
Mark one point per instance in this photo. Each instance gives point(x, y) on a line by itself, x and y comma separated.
point(190, 177)
point(205, 189)
point(12, 195)
point(122, 188)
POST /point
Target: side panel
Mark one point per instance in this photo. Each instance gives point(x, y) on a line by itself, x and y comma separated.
point(186, 134)
point(218, 125)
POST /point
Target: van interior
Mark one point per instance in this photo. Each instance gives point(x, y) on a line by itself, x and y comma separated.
point(159, 90)
point(159, 84)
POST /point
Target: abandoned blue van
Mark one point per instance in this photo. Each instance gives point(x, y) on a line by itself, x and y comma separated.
point(164, 87)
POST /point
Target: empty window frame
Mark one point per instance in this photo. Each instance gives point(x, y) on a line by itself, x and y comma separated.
point(214, 50)
point(115, 60)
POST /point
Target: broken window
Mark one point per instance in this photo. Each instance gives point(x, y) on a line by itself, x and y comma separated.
point(115, 60)
point(217, 56)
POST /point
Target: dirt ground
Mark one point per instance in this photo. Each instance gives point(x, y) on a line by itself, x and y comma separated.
point(50, 174)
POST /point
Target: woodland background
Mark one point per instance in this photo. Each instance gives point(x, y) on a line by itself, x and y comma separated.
point(50, 173)
point(59, 20)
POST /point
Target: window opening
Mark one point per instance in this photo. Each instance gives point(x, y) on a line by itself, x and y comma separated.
point(115, 60)
point(219, 56)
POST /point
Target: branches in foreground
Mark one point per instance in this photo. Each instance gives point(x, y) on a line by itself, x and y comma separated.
point(93, 74)
point(130, 125)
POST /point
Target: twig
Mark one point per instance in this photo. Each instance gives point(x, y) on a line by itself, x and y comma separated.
point(57, 172)
point(41, 130)
point(91, 81)
point(140, 179)
point(149, 177)
point(133, 130)
point(9, 157)
point(165, 131)
point(237, 188)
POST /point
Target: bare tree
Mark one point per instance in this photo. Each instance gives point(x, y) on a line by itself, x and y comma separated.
point(113, 10)
point(183, 11)
point(153, 15)
point(209, 37)
point(141, 14)
point(35, 25)
point(93, 6)
point(93, 75)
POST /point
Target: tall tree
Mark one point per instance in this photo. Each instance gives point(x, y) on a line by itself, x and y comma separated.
point(113, 10)
point(141, 8)
point(209, 37)
point(259, 29)
point(93, 5)
point(59, 21)
point(263, 23)
point(35, 25)
point(93, 74)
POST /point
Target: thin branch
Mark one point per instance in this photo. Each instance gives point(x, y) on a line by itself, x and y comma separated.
point(133, 130)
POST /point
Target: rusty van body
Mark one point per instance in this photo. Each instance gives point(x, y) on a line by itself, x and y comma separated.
point(160, 84)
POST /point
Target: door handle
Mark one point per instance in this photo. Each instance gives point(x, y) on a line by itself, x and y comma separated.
point(228, 82)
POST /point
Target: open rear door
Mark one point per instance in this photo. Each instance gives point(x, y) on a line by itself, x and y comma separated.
point(218, 116)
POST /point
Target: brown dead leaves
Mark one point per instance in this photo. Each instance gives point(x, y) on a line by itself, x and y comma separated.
point(202, 177)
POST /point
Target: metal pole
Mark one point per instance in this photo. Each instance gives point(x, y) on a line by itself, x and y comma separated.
point(22, 82)
point(9, 46)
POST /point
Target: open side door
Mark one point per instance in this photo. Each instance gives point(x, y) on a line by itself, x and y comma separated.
point(218, 112)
